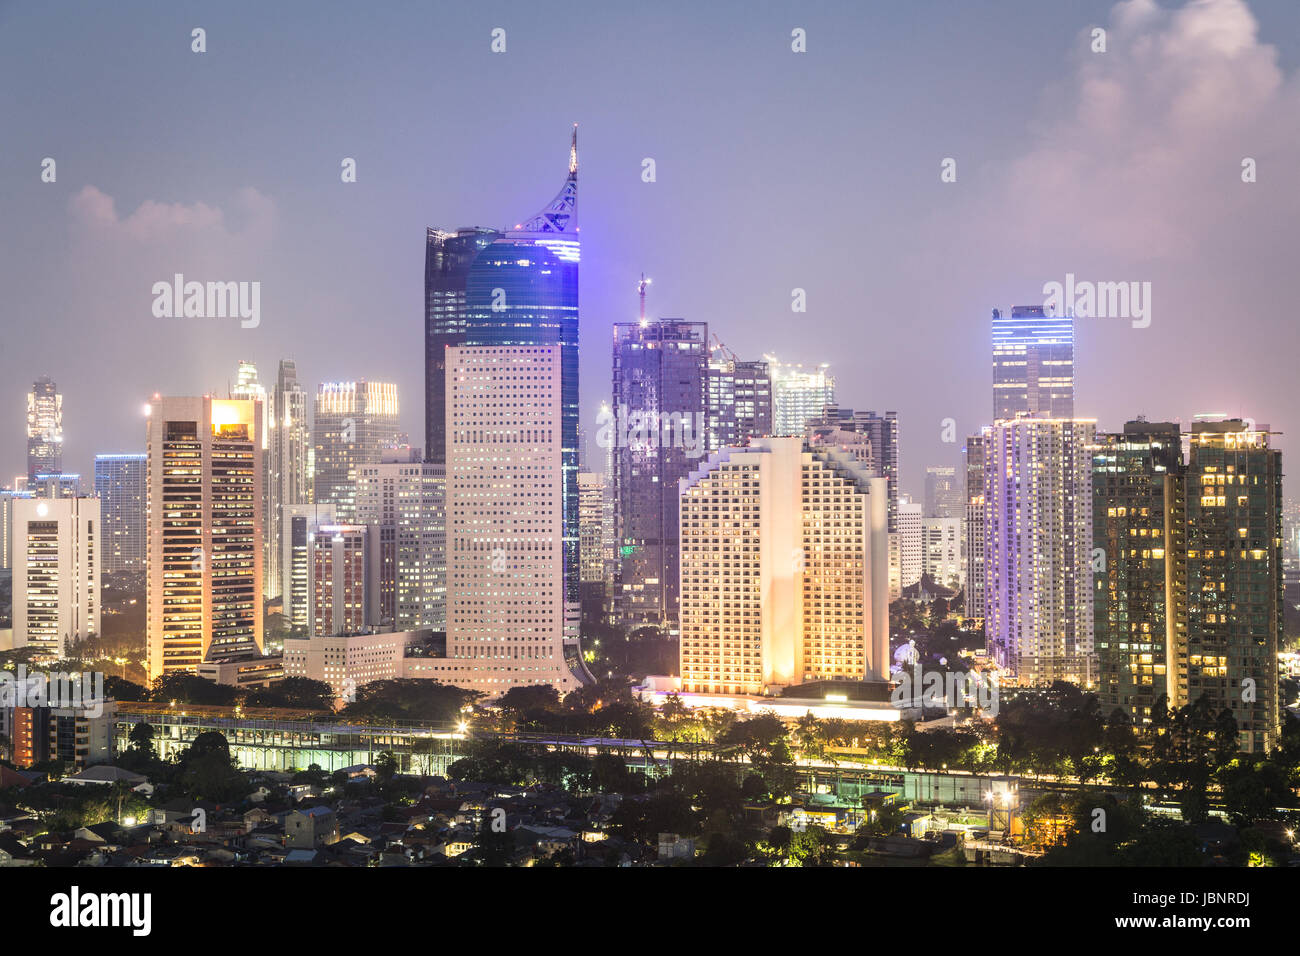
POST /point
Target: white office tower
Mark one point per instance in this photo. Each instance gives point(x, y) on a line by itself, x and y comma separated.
point(287, 478)
point(505, 558)
point(56, 553)
point(299, 524)
point(799, 395)
point(905, 549)
point(784, 572)
point(941, 551)
point(204, 595)
point(1038, 531)
point(405, 501)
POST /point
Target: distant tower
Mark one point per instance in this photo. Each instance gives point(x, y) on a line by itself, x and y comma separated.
point(44, 430)
point(1033, 363)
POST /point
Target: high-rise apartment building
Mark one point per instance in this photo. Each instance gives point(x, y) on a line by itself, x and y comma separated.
point(354, 423)
point(204, 521)
point(1234, 577)
point(799, 395)
point(121, 484)
point(1139, 566)
point(1033, 363)
point(57, 555)
point(659, 433)
point(44, 429)
point(506, 602)
point(592, 513)
point(973, 544)
point(405, 502)
point(906, 548)
point(1038, 531)
point(784, 574)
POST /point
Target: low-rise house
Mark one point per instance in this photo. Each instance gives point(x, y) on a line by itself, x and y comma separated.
point(310, 828)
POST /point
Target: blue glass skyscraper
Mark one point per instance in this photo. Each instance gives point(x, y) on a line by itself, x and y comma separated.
point(1033, 363)
point(516, 287)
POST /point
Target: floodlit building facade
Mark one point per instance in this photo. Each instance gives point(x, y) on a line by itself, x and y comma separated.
point(58, 545)
point(204, 581)
point(784, 575)
point(354, 422)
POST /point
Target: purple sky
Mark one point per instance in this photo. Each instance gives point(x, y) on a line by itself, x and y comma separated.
point(775, 171)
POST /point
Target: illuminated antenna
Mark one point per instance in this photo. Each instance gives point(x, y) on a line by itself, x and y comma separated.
point(573, 154)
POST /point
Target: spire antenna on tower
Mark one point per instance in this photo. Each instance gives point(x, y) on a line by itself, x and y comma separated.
point(640, 288)
point(573, 154)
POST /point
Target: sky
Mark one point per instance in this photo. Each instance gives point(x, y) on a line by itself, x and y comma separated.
point(774, 171)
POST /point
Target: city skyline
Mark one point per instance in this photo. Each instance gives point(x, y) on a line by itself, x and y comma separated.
point(123, 223)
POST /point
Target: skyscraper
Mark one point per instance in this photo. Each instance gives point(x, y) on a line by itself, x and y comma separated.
point(301, 522)
point(354, 423)
point(121, 484)
point(286, 477)
point(1140, 577)
point(1033, 363)
point(344, 592)
point(44, 429)
point(56, 581)
point(204, 593)
point(784, 573)
point(506, 606)
point(658, 434)
point(1038, 530)
point(798, 396)
point(882, 430)
point(518, 287)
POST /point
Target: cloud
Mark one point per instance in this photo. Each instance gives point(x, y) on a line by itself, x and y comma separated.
point(1142, 157)
point(96, 213)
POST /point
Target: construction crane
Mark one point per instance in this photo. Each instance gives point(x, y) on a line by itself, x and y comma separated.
point(640, 289)
point(719, 347)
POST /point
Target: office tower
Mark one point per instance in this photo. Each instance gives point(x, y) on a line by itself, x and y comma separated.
point(592, 514)
point(882, 431)
point(301, 523)
point(405, 502)
point(941, 551)
point(798, 396)
point(520, 288)
point(57, 555)
point(1033, 363)
point(44, 429)
point(7, 499)
point(1038, 530)
point(63, 484)
point(121, 484)
point(973, 544)
point(204, 522)
point(1234, 577)
point(506, 606)
point(906, 553)
point(248, 387)
point(1139, 566)
point(286, 477)
point(354, 423)
point(343, 561)
point(784, 569)
point(659, 435)
point(943, 494)
point(738, 400)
